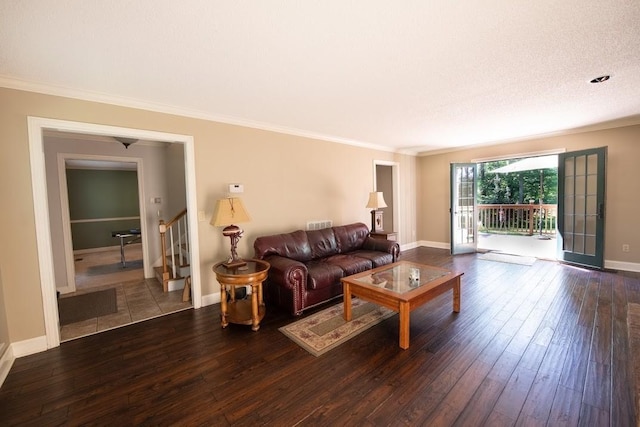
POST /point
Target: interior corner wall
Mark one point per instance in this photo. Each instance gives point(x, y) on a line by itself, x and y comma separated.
point(622, 185)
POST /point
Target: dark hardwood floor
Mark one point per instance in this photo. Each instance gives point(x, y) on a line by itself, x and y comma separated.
point(533, 345)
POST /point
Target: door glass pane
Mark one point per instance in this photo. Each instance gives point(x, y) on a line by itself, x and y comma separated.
point(592, 184)
point(579, 224)
point(568, 205)
point(590, 245)
point(581, 165)
point(568, 242)
point(579, 205)
point(568, 223)
point(578, 243)
point(592, 205)
point(592, 164)
point(580, 185)
point(569, 186)
point(591, 225)
point(568, 167)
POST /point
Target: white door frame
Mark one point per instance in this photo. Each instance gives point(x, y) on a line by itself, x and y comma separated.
point(36, 127)
point(66, 217)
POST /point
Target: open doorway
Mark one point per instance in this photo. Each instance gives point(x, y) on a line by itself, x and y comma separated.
point(387, 182)
point(517, 205)
point(109, 228)
point(43, 208)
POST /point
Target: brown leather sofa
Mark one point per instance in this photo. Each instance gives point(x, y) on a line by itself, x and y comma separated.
point(306, 266)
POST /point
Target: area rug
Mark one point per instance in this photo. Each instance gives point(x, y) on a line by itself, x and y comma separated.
point(87, 306)
point(511, 259)
point(327, 329)
point(633, 328)
point(98, 270)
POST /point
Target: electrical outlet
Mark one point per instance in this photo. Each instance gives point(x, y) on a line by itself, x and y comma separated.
point(625, 248)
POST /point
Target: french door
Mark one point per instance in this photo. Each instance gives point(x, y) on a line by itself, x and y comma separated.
point(581, 208)
point(464, 217)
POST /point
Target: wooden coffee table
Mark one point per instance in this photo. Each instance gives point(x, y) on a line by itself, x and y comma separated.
point(390, 286)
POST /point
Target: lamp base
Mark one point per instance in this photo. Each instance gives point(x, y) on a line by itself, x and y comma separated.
point(376, 221)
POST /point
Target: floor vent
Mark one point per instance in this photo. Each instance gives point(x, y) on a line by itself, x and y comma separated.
point(319, 225)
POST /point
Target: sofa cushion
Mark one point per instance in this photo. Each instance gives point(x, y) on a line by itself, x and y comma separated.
point(322, 274)
point(350, 263)
point(290, 245)
point(322, 242)
point(350, 237)
point(376, 257)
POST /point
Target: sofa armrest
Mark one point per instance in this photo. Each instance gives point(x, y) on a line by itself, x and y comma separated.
point(382, 245)
point(287, 272)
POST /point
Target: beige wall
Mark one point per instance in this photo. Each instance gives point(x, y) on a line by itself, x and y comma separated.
point(288, 180)
point(4, 328)
point(622, 187)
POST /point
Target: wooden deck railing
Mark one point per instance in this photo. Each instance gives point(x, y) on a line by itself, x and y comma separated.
point(518, 219)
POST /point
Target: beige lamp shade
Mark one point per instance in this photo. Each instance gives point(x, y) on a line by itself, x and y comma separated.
point(376, 200)
point(229, 211)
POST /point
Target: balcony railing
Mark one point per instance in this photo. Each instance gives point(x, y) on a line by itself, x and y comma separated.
point(518, 219)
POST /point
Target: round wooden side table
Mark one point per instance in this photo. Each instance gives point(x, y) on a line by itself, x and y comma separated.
point(244, 312)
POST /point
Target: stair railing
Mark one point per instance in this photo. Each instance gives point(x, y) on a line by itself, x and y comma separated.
point(175, 229)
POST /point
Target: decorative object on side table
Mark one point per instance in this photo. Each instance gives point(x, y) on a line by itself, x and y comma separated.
point(242, 311)
point(376, 201)
point(230, 211)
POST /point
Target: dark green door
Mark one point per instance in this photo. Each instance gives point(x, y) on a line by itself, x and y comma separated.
point(581, 209)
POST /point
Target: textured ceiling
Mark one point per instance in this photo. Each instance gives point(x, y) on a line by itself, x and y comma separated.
point(408, 75)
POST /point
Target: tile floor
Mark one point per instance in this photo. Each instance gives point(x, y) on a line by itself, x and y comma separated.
point(138, 298)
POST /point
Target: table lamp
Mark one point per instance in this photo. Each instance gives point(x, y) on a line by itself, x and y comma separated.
point(376, 201)
point(230, 211)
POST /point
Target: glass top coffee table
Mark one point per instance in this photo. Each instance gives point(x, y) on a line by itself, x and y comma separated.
point(402, 286)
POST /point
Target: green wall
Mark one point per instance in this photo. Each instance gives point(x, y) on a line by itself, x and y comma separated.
point(99, 195)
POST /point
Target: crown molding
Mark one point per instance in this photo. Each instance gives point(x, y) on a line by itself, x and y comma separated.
point(48, 89)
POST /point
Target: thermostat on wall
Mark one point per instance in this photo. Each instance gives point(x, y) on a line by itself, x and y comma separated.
point(236, 188)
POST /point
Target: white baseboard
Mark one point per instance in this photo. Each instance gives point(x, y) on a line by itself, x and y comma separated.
point(619, 265)
point(30, 346)
point(211, 299)
point(438, 245)
point(6, 362)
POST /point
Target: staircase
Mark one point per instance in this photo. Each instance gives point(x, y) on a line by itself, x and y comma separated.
point(176, 262)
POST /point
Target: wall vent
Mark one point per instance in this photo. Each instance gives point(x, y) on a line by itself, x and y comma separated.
point(319, 225)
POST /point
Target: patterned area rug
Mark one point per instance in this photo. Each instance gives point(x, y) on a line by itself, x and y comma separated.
point(633, 327)
point(511, 259)
point(327, 329)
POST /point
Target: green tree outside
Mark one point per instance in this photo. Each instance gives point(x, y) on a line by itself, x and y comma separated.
point(515, 187)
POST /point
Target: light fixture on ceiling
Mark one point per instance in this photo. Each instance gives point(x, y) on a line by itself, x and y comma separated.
point(125, 141)
point(600, 79)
